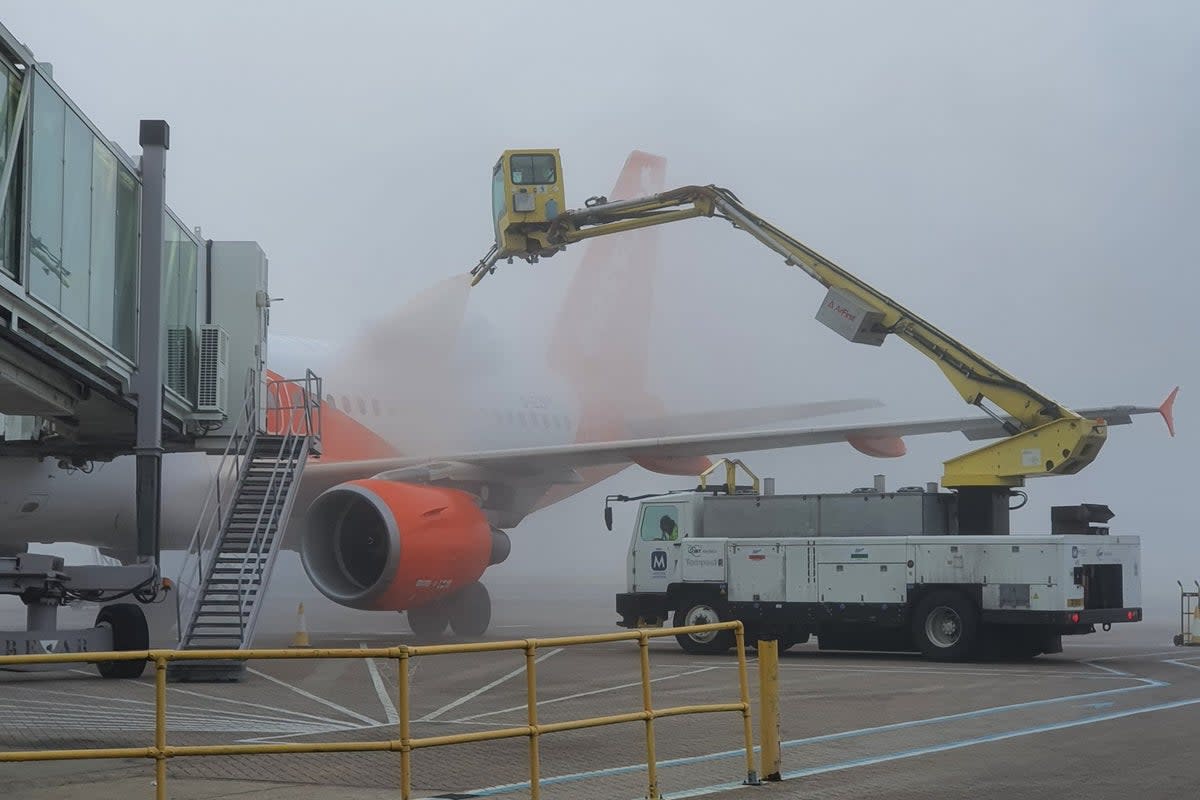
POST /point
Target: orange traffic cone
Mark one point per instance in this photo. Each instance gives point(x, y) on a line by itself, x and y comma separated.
point(301, 637)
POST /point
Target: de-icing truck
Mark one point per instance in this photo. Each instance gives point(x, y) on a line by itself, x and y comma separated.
point(873, 570)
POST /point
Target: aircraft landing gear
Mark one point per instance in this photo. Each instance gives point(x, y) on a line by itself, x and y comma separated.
point(468, 612)
point(471, 610)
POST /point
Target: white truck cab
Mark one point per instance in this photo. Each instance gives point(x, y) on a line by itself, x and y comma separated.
point(872, 569)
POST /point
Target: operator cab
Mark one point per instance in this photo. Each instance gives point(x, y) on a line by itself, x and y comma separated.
point(527, 189)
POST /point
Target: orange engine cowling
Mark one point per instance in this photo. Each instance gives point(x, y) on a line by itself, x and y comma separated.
point(376, 544)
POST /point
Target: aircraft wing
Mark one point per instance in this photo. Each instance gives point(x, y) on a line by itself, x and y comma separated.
point(557, 464)
point(685, 423)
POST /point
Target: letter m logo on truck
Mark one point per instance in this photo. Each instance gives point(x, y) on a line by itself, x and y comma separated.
point(658, 561)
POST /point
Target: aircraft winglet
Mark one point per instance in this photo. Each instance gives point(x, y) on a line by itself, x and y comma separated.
point(1167, 409)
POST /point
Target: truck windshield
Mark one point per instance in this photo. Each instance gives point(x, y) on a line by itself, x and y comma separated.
point(660, 523)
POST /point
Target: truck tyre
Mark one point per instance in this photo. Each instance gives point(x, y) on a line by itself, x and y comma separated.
point(429, 621)
point(471, 610)
point(129, 632)
point(945, 626)
point(701, 612)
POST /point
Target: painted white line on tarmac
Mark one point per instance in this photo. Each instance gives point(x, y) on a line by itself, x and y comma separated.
point(291, 718)
point(466, 698)
point(315, 698)
point(1135, 655)
point(1179, 662)
point(843, 670)
point(1115, 672)
point(389, 708)
point(581, 694)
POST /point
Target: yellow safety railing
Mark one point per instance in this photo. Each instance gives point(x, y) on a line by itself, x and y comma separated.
point(160, 751)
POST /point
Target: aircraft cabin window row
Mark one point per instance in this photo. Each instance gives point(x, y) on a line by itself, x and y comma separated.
point(358, 406)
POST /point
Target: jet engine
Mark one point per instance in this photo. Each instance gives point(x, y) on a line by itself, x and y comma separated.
point(387, 545)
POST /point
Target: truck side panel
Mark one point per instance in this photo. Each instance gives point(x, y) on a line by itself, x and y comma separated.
point(862, 583)
point(756, 571)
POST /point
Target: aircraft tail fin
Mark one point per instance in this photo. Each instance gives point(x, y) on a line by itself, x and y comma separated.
point(600, 340)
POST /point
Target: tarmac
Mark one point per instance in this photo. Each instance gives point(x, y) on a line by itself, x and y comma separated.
point(1111, 717)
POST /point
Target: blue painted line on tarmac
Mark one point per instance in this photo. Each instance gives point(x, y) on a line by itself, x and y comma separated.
point(941, 748)
point(490, 791)
point(991, 737)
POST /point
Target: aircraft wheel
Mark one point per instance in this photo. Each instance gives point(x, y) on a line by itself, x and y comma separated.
point(471, 611)
point(129, 632)
point(429, 621)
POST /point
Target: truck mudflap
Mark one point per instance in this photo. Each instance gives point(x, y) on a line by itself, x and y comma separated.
point(642, 609)
point(1091, 616)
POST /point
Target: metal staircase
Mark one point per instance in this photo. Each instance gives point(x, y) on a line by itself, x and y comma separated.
point(222, 583)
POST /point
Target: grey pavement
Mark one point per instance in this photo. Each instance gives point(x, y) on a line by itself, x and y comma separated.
point(1112, 717)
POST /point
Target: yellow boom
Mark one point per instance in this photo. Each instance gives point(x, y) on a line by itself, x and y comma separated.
point(1047, 438)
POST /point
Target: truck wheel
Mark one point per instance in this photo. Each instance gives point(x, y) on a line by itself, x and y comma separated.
point(129, 632)
point(709, 642)
point(471, 610)
point(945, 625)
point(429, 621)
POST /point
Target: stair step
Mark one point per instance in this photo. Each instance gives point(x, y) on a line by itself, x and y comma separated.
point(222, 636)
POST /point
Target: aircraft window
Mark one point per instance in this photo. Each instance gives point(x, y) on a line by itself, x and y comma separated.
point(375, 405)
point(330, 401)
point(660, 523)
point(362, 406)
point(346, 404)
point(532, 170)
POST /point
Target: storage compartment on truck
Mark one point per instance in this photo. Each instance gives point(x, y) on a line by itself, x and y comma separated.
point(1102, 585)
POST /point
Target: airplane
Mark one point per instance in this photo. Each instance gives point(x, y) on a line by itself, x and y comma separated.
point(379, 522)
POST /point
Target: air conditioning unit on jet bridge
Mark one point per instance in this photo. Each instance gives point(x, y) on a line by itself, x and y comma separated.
point(213, 390)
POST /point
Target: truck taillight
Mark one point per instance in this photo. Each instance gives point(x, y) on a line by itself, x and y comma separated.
point(1075, 617)
point(1130, 615)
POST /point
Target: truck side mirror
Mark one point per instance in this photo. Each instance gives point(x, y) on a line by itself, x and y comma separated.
point(608, 517)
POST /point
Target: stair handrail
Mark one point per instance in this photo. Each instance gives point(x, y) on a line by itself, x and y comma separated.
point(215, 510)
point(293, 447)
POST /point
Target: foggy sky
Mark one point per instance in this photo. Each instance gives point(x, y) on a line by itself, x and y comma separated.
point(1025, 175)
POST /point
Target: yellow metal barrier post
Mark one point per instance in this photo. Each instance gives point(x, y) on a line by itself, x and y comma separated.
point(768, 708)
point(648, 706)
point(739, 634)
point(535, 770)
point(160, 728)
point(402, 713)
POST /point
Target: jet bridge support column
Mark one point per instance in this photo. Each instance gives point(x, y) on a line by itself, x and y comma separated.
point(154, 137)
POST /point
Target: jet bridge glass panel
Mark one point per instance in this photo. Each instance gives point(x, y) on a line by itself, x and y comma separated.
point(10, 94)
point(182, 346)
point(83, 222)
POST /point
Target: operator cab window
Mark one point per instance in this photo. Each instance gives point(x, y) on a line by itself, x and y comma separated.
point(533, 170)
point(660, 523)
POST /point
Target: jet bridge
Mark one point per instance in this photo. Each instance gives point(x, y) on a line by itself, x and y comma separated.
point(124, 332)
